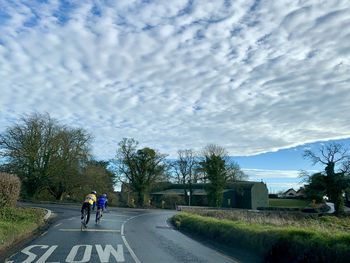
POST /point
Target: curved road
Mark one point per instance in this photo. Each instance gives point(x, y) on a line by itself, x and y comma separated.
point(124, 235)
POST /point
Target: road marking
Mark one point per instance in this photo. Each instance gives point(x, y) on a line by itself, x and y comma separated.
point(31, 256)
point(43, 234)
point(132, 253)
point(58, 224)
point(122, 215)
point(112, 220)
point(89, 230)
point(74, 251)
point(48, 214)
point(104, 254)
point(77, 254)
point(47, 254)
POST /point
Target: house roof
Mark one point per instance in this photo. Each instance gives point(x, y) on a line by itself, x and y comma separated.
point(289, 190)
point(242, 185)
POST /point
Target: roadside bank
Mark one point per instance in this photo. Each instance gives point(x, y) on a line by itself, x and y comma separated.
point(18, 224)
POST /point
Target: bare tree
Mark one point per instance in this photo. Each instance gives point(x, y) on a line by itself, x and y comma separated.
point(185, 170)
point(335, 157)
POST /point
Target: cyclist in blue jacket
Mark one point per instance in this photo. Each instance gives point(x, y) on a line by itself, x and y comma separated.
point(101, 203)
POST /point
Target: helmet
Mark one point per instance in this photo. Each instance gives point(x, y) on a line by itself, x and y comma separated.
point(94, 192)
point(104, 195)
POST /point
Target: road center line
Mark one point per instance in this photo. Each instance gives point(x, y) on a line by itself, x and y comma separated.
point(89, 230)
point(132, 253)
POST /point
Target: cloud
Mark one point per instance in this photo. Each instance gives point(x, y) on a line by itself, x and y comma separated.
point(264, 174)
point(276, 180)
point(253, 76)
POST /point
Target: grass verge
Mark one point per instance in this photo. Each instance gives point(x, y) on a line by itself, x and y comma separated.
point(272, 243)
point(17, 224)
point(290, 203)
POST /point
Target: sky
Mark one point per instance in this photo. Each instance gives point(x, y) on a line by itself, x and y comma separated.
point(264, 79)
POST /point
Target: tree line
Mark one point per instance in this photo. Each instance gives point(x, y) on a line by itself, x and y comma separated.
point(54, 161)
point(142, 168)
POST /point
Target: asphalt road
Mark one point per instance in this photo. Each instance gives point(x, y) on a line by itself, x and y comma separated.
point(124, 235)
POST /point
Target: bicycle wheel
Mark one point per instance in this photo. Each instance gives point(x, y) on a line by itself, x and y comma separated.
point(97, 216)
point(83, 221)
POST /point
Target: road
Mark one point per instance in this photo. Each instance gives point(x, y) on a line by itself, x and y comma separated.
point(124, 235)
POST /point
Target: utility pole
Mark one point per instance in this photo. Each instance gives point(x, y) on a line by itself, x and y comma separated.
point(189, 198)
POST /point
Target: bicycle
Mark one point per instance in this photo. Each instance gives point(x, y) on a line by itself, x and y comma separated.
point(98, 215)
point(83, 221)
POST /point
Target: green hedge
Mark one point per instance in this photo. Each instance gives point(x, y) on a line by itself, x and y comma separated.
point(274, 244)
point(10, 187)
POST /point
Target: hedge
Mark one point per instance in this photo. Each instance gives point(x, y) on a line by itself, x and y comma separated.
point(10, 186)
point(273, 244)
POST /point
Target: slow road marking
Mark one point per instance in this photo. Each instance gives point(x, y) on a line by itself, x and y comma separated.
point(77, 254)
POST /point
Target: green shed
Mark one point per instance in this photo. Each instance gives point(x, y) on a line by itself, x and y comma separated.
point(247, 195)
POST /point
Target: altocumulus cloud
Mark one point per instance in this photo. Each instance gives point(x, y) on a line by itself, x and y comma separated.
point(253, 76)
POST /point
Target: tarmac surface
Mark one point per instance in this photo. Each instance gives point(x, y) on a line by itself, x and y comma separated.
point(123, 235)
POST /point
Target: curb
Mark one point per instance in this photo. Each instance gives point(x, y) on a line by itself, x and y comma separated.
point(48, 214)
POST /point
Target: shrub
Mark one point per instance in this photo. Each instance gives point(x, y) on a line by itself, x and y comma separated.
point(276, 244)
point(10, 187)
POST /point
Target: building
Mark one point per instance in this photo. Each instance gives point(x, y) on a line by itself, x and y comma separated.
point(290, 193)
point(245, 195)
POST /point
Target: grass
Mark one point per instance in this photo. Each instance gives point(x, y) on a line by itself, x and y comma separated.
point(289, 203)
point(306, 240)
point(18, 223)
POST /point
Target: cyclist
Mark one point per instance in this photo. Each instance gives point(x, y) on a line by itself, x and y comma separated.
point(89, 201)
point(101, 202)
point(101, 205)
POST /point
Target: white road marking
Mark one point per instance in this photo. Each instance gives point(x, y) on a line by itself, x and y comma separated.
point(89, 230)
point(111, 220)
point(104, 255)
point(31, 256)
point(58, 224)
point(43, 234)
point(48, 214)
point(132, 253)
point(122, 215)
point(72, 254)
point(47, 254)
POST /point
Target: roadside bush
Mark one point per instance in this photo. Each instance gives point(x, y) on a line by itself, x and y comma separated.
point(10, 187)
point(276, 244)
